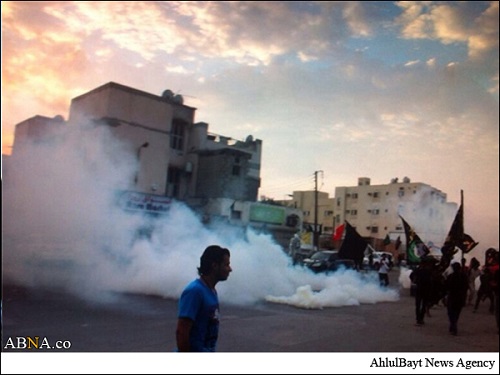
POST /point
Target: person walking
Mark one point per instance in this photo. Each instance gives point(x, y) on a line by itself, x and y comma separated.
point(456, 286)
point(485, 290)
point(496, 287)
point(294, 248)
point(383, 271)
point(474, 273)
point(198, 317)
point(422, 278)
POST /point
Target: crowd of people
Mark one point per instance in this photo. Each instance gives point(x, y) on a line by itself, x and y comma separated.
point(455, 287)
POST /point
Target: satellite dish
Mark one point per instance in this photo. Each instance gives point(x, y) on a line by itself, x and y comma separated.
point(167, 94)
point(178, 99)
point(59, 118)
point(249, 139)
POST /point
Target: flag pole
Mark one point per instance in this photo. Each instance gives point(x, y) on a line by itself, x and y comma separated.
point(462, 213)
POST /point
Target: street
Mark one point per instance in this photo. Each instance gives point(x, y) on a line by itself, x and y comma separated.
point(139, 323)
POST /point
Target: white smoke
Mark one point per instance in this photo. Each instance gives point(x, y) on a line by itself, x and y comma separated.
point(63, 230)
point(404, 277)
point(427, 214)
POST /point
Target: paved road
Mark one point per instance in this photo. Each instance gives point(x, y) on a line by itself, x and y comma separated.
point(138, 323)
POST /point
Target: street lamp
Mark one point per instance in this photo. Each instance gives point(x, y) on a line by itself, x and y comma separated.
point(144, 145)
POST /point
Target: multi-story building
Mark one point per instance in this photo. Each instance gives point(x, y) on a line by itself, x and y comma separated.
point(177, 158)
point(172, 150)
point(36, 129)
point(375, 210)
point(306, 201)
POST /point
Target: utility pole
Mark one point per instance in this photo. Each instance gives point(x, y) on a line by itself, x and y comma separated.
point(315, 232)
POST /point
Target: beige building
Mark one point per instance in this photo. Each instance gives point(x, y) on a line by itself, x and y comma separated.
point(375, 210)
point(36, 129)
point(177, 158)
point(172, 150)
point(306, 201)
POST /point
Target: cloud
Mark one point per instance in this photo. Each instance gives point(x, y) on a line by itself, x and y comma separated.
point(287, 72)
point(451, 23)
point(486, 36)
point(354, 14)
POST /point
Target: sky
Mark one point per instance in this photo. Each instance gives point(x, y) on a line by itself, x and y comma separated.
point(352, 89)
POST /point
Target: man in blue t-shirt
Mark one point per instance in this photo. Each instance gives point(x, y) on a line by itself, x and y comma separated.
point(198, 320)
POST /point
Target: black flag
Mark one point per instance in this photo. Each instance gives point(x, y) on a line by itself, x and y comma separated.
point(353, 247)
point(468, 243)
point(456, 237)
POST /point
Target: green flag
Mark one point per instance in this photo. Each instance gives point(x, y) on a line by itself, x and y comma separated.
point(415, 247)
point(387, 240)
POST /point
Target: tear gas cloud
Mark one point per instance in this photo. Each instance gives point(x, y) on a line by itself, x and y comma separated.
point(64, 230)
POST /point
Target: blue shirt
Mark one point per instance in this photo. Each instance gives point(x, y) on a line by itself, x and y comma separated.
point(200, 303)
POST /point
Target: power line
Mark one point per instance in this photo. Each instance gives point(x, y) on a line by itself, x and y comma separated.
point(288, 185)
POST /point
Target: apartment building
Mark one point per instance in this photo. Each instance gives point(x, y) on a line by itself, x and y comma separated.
point(172, 149)
point(375, 210)
point(177, 158)
point(306, 201)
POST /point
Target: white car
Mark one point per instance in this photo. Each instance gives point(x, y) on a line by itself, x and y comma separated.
point(377, 256)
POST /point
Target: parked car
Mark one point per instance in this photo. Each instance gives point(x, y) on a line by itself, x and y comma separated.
point(377, 256)
point(328, 261)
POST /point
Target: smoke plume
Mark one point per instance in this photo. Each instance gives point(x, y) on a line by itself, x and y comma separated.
point(63, 230)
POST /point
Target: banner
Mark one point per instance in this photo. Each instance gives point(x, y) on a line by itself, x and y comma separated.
point(415, 247)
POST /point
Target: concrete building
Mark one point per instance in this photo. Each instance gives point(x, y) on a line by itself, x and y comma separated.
point(173, 151)
point(305, 200)
point(177, 158)
point(375, 210)
point(36, 129)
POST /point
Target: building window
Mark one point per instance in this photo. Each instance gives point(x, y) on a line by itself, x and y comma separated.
point(354, 195)
point(354, 212)
point(375, 194)
point(374, 229)
point(177, 134)
point(375, 211)
point(401, 192)
point(173, 181)
point(236, 167)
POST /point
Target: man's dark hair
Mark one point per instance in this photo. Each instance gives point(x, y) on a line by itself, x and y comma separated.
point(212, 254)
